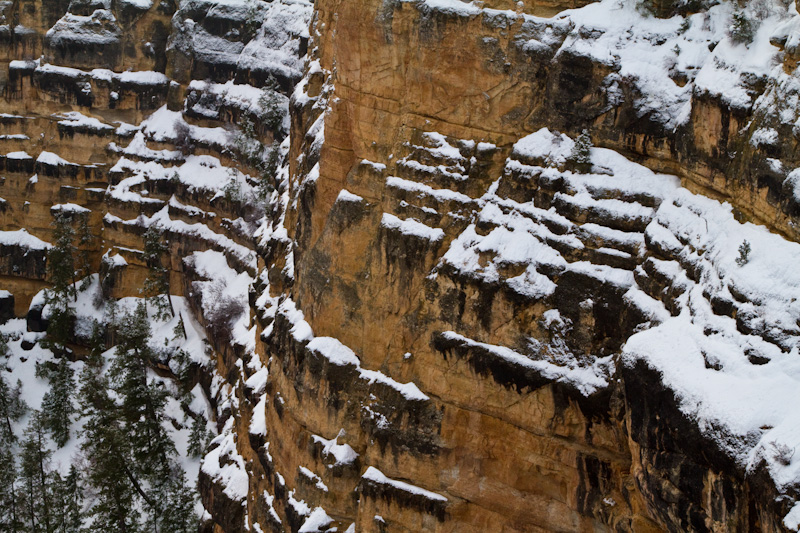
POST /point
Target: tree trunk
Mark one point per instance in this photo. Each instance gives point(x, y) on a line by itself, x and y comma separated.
point(43, 480)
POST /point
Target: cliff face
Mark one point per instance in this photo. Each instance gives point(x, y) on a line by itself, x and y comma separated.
point(453, 325)
point(408, 229)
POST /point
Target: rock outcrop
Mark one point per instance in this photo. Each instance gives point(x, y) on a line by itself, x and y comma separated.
point(453, 324)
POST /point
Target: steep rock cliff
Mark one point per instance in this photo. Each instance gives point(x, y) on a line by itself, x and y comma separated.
point(446, 252)
point(455, 327)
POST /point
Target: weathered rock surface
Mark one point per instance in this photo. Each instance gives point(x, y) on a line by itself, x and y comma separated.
point(449, 325)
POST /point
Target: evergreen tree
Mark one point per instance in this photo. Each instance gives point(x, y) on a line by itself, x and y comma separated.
point(111, 317)
point(84, 241)
point(35, 476)
point(580, 159)
point(4, 343)
point(57, 405)
point(179, 331)
point(176, 502)
point(181, 365)
point(744, 253)
point(61, 272)
point(10, 519)
point(61, 257)
point(108, 454)
point(156, 286)
point(133, 472)
point(271, 111)
point(198, 438)
point(142, 401)
point(12, 408)
point(67, 502)
point(742, 28)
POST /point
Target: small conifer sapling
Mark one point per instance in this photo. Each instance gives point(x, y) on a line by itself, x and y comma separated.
point(744, 253)
point(580, 159)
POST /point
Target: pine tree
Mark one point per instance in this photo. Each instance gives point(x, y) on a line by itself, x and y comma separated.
point(61, 272)
point(57, 405)
point(84, 241)
point(4, 344)
point(108, 454)
point(161, 480)
point(156, 286)
point(67, 503)
point(61, 257)
point(744, 253)
point(179, 331)
point(580, 159)
point(176, 513)
point(133, 472)
point(742, 29)
point(12, 408)
point(10, 519)
point(142, 400)
point(271, 111)
point(35, 476)
point(183, 366)
point(198, 438)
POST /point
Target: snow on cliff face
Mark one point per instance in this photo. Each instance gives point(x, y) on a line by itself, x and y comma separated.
point(738, 376)
point(672, 60)
point(98, 28)
point(264, 39)
point(728, 345)
point(736, 373)
point(668, 60)
point(279, 45)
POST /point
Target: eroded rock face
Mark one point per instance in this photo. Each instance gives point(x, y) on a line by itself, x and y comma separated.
point(443, 308)
point(420, 127)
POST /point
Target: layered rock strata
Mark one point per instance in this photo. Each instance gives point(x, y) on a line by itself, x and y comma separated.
point(451, 328)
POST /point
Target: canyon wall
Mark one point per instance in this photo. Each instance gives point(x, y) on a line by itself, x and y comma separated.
point(452, 327)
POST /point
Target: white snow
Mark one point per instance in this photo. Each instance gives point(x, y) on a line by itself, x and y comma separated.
point(99, 28)
point(339, 354)
point(276, 47)
point(442, 195)
point(587, 380)
point(544, 147)
point(258, 422)
point(792, 518)
point(343, 454)
point(376, 476)
point(704, 357)
point(49, 158)
point(347, 196)
point(23, 238)
point(139, 4)
point(225, 466)
point(74, 119)
point(70, 208)
point(412, 228)
point(224, 285)
point(313, 478)
point(316, 522)
point(764, 137)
